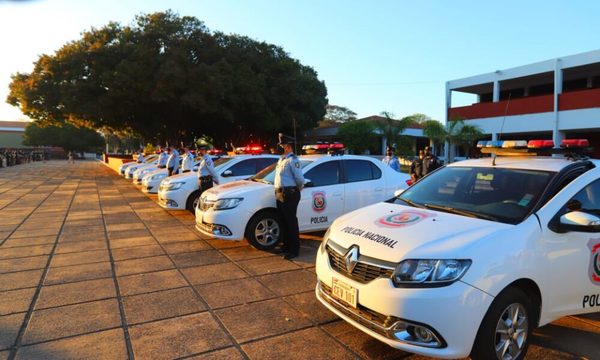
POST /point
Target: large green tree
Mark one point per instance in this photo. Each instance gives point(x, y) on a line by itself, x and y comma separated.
point(67, 136)
point(358, 136)
point(169, 78)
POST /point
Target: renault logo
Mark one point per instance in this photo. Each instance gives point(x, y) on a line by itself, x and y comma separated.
point(351, 258)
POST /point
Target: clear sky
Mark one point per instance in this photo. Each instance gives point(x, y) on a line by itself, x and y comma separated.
point(374, 55)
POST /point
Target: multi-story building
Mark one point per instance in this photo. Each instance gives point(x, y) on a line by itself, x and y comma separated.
point(553, 99)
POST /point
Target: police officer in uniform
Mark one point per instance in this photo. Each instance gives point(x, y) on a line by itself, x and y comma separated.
point(173, 161)
point(288, 182)
point(391, 160)
point(140, 157)
point(162, 158)
point(206, 171)
point(188, 161)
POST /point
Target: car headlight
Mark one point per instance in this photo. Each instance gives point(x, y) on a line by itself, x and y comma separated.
point(172, 186)
point(158, 176)
point(224, 204)
point(429, 273)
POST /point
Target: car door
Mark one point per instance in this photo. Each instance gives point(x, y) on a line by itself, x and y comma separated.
point(322, 201)
point(571, 273)
point(363, 184)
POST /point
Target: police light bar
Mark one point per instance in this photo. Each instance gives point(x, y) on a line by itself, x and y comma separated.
point(540, 144)
point(574, 143)
point(569, 147)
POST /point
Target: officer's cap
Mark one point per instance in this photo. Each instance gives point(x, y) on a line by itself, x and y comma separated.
point(284, 139)
point(202, 147)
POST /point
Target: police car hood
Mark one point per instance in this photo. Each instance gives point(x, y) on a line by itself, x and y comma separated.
point(182, 177)
point(240, 188)
point(394, 232)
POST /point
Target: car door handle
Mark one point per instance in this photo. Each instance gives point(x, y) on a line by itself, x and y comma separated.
point(378, 189)
point(337, 194)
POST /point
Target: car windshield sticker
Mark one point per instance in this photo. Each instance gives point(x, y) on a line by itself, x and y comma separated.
point(594, 270)
point(485, 177)
point(319, 201)
point(403, 218)
point(525, 200)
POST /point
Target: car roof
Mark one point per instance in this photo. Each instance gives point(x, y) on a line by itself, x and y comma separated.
point(540, 163)
point(335, 157)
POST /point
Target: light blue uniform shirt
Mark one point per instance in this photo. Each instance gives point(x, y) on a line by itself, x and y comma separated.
point(207, 167)
point(173, 161)
point(140, 158)
point(162, 158)
point(392, 162)
point(188, 161)
point(288, 172)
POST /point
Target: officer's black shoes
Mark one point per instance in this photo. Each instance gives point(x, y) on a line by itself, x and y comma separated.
point(281, 251)
point(290, 256)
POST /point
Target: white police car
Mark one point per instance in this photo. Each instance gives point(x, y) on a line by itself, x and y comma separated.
point(131, 170)
point(181, 191)
point(336, 185)
point(124, 167)
point(151, 180)
point(471, 258)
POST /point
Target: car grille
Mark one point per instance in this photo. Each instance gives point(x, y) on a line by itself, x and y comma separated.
point(363, 272)
point(204, 226)
point(367, 317)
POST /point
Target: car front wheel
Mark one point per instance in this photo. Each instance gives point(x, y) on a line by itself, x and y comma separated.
point(192, 201)
point(264, 230)
point(506, 328)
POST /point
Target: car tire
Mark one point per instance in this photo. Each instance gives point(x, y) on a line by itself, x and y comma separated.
point(264, 230)
point(500, 330)
point(192, 200)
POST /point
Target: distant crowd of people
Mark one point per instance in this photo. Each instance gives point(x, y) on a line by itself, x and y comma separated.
point(11, 157)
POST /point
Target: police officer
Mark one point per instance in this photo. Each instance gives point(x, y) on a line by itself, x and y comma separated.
point(430, 161)
point(391, 160)
point(140, 157)
point(162, 158)
point(173, 161)
point(416, 167)
point(206, 170)
point(288, 182)
point(188, 160)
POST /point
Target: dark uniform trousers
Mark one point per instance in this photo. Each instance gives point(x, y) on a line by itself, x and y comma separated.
point(205, 183)
point(170, 170)
point(287, 204)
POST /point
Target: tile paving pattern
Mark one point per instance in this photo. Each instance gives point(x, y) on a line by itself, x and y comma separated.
point(92, 268)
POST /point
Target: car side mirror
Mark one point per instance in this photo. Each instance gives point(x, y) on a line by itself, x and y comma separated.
point(227, 173)
point(578, 221)
point(308, 183)
point(398, 192)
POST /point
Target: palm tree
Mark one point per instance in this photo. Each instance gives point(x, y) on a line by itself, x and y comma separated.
point(435, 131)
point(462, 135)
point(392, 129)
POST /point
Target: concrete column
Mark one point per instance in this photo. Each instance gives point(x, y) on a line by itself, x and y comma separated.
point(558, 79)
point(496, 94)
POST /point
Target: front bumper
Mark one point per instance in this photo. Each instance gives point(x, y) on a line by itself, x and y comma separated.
point(232, 220)
point(167, 201)
point(453, 313)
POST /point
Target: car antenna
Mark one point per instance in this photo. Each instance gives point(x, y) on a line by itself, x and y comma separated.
point(502, 126)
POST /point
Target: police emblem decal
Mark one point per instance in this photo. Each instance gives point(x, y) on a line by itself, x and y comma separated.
point(319, 201)
point(401, 219)
point(594, 270)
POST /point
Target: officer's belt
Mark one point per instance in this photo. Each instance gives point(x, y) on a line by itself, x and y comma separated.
point(205, 177)
point(286, 188)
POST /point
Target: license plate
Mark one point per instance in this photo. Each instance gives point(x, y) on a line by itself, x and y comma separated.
point(344, 292)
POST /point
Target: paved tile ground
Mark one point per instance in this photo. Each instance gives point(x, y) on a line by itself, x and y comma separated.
point(92, 268)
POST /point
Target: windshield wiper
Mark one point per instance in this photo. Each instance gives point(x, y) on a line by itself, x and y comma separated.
point(411, 203)
point(460, 212)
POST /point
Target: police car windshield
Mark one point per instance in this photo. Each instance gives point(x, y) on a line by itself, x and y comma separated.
point(267, 175)
point(498, 194)
point(150, 158)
